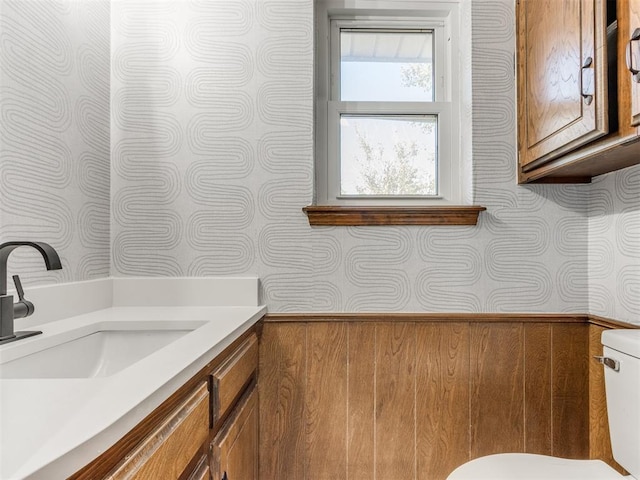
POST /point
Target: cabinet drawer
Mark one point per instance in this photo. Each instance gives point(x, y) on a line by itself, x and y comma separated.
point(167, 451)
point(234, 373)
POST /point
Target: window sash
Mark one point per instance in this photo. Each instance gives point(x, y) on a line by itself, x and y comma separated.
point(442, 110)
point(439, 64)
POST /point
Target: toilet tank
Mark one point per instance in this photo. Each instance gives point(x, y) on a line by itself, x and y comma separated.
point(623, 395)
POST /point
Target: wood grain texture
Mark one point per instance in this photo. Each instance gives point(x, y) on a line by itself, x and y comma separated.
point(537, 388)
point(361, 401)
point(632, 10)
point(401, 215)
point(619, 148)
point(602, 156)
point(554, 40)
point(608, 322)
point(570, 391)
point(395, 400)
point(624, 76)
point(326, 400)
point(474, 387)
point(442, 398)
point(202, 470)
point(169, 449)
point(108, 461)
point(230, 378)
point(235, 448)
point(497, 393)
point(282, 391)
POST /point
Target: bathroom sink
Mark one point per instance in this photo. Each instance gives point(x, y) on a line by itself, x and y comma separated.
point(99, 350)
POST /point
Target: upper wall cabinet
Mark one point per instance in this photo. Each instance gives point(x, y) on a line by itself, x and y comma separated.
point(632, 56)
point(578, 66)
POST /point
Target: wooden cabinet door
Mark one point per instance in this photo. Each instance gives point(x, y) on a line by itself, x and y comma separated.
point(235, 448)
point(562, 70)
point(632, 48)
point(168, 450)
point(202, 470)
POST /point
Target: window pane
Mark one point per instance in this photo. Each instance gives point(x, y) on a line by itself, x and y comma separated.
point(388, 155)
point(380, 66)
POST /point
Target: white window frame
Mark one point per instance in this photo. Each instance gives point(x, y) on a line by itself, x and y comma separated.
point(439, 17)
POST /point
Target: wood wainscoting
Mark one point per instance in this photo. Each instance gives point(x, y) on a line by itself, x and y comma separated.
point(413, 396)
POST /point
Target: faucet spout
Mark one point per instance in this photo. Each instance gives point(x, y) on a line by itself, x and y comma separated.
point(50, 256)
point(23, 308)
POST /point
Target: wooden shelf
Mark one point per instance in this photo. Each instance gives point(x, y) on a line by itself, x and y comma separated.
point(332, 215)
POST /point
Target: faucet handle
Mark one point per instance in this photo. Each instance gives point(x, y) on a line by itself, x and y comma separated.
point(23, 308)
point(19, 289)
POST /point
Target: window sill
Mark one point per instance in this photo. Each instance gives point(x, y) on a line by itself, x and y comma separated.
point(337, 215)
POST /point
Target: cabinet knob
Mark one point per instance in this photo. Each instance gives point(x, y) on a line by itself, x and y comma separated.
point(224, 476)
point(635, 73)
point(587, 80)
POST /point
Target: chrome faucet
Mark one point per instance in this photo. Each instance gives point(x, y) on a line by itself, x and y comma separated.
point(23, 308)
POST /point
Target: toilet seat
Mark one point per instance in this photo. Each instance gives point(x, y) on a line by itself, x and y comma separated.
point(527, 466)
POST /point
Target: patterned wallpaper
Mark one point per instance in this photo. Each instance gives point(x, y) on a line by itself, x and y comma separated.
point(212, 163)
point(614, 245)
point(211, 146)
point(54, 135)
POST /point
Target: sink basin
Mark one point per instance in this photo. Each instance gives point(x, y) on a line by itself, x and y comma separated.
point(99, 350)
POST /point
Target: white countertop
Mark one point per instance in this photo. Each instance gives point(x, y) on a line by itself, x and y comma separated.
point(50, 428)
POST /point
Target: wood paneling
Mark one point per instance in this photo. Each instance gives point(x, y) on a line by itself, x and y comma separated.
point(395, 400)
point(405, 215)
point(442, 398)
point(415, 399)
point(361, 401)
point(497, 393)
point(326, 400)
point(537, 389)
point(570, 391)
point(608, 322)
point(282, 391)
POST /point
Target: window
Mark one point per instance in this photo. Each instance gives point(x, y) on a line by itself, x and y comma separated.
point(387, 128)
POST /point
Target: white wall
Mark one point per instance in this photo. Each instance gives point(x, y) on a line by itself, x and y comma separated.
point(212, 163)
point(54, 135)
point(614, 245)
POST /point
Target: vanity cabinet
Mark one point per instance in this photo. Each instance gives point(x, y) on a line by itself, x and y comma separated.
point(633, 56)
point(202, 470)
point(234, 449)
point(578, 88)
point(170, 447)
point(206, 428)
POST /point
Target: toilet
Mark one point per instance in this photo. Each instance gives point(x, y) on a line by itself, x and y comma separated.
point(621, 360)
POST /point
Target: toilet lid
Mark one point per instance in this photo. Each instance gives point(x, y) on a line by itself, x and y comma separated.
point(526, 466)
